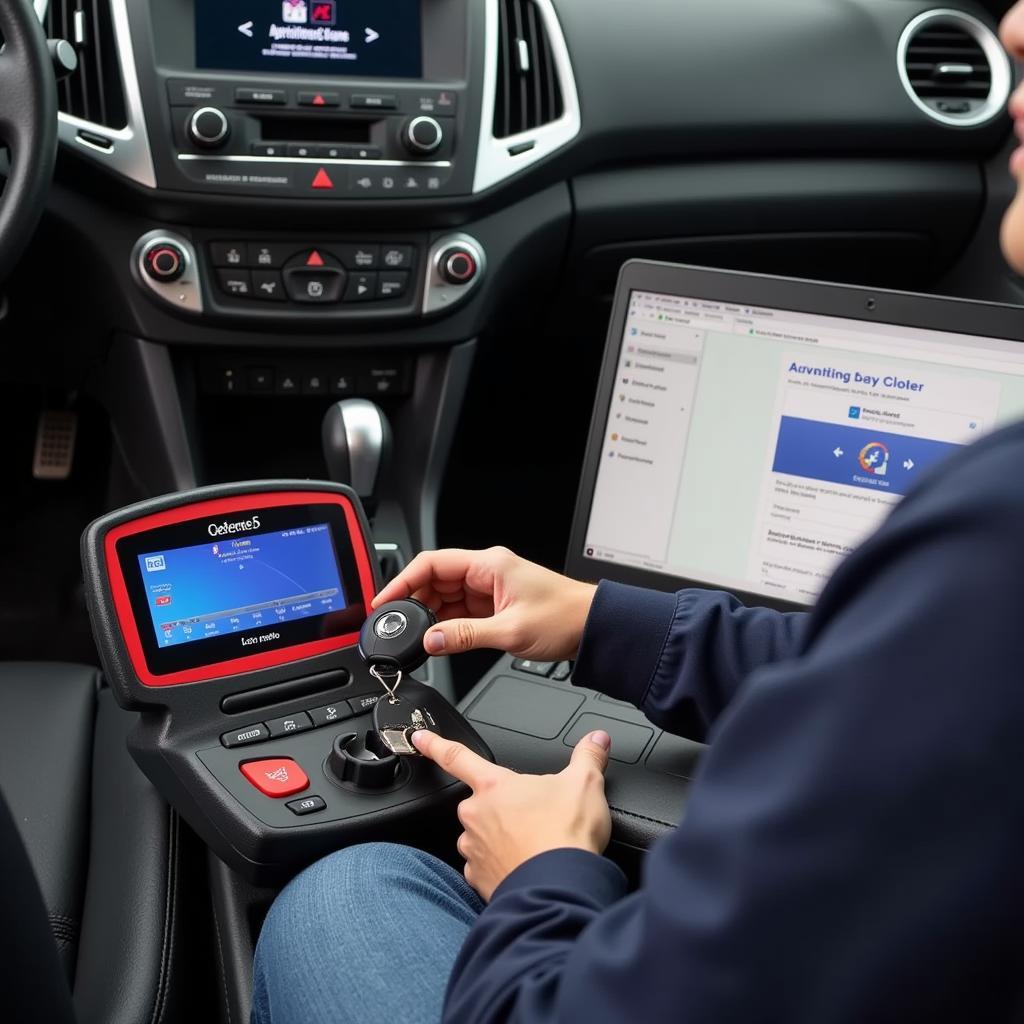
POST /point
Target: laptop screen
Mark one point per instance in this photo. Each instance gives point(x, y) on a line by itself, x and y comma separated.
point(751, 448)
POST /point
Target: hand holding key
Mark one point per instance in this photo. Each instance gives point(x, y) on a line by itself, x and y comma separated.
point(511, 818)
point(494, 599)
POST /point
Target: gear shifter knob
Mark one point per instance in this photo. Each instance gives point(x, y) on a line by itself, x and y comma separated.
point(357, 446)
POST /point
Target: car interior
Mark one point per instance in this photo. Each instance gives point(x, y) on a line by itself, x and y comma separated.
point(340, 282)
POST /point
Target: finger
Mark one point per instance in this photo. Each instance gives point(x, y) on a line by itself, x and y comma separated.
point(453, 636)
point(449, 564)
point(456, 759)
point(592, 751)
point(461, 846)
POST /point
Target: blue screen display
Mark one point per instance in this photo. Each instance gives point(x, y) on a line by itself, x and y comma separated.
point(235, 584)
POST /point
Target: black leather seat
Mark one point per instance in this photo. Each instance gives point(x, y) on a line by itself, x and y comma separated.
point(101, 842)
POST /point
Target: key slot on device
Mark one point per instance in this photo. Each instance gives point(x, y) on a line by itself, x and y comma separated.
point(281, 693)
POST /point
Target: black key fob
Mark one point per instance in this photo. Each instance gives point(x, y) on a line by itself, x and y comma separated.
point(418, 706)
point(391, 639)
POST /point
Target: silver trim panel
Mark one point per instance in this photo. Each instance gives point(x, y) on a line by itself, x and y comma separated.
point(186, 293)
point(999, 63)
point(129, 153)
point(494, 161)
point(438, 294)
point(303, 160)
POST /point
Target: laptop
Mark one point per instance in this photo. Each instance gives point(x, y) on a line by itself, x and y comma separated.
point(750, 431)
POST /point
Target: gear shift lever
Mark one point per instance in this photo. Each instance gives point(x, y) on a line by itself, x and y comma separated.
point(357, 447)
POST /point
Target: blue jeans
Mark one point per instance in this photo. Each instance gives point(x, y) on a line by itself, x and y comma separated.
point(367, 935)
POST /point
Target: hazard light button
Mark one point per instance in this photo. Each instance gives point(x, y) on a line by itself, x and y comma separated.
point(275, 776)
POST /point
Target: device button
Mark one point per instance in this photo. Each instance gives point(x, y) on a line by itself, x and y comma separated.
point(288, 383)
point(302, 149)
point(247, 734)
point(443, 102)
point(273, 97)
point(268, 149)
point(235, 282)
point(228, 254)
point(164, 262)
point(457, 265)
point(361, 288)
point(229, 381)
point(267, 285)
point(306, 805)
point(382, 380)
point(330, 713)
point(323, 181)
point(275, 776)
point(208, 127)
point(360, 705)
point(318, 286)
point(314, 383)
point(562, 671)
point(319, 99)
point(373, 101)
point(299, 722)
point(269, 256)
point(358, 257)
point(396, 257)
point(342, 384)
point(261, 379)
point(423, 135)
point(392, 285)
point(533, 668)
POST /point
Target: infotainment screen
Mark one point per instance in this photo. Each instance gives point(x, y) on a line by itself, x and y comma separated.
point(368, 38)
point(213, 589)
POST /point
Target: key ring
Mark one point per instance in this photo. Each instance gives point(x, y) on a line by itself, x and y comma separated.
point(397, 675)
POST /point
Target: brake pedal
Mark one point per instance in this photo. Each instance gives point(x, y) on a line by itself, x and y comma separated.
point(55, 444)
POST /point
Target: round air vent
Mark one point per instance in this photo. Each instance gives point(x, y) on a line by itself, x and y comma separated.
point(954, 68)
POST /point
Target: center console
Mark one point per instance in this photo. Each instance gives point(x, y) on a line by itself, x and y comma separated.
point(229, 617)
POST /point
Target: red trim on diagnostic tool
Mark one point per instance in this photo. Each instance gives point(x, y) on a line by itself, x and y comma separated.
point(215, 507)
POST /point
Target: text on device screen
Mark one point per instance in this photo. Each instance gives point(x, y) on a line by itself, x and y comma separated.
point(324, 37)
point(234, 584)
point(754, 448)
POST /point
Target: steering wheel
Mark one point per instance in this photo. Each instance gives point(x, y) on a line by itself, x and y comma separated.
point(28, 126)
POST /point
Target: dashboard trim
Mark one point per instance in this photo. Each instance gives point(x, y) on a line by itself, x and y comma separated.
point(498, 159)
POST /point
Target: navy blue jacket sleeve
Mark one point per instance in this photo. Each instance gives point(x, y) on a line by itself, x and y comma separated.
point(680, 657)
point(851, 849)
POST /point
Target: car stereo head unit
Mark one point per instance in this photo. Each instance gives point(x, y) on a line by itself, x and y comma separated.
point(233, 584)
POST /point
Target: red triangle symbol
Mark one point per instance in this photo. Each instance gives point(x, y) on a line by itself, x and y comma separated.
point(318, 100)
point(322, 180)
point(314, 259)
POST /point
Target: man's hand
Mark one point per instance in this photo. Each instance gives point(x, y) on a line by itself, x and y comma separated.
point(494, 598)
point(511, 818)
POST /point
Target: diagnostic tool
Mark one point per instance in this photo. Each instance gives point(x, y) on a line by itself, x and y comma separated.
point(230, 618)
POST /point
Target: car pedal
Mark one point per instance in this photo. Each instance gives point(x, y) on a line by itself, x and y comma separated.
point(55, 444)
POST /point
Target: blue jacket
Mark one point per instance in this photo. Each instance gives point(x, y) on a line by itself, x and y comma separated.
point(853, 846)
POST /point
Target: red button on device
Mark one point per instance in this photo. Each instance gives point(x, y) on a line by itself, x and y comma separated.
point(276, 776)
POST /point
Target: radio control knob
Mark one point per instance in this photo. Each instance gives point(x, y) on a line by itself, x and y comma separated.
point(208, 127)
point(423, 135)
point(457, 265)
point(164, 262)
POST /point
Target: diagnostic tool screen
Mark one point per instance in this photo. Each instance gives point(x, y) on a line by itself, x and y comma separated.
point(324, 37)
point(754, 448)
point(241, 584)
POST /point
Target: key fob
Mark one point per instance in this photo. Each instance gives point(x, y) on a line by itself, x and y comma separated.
point(392, 637)
point(418, 706)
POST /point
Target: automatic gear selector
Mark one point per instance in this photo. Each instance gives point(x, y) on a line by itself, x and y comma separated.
point(391, 644)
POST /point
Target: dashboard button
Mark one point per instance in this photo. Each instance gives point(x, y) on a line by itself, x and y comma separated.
point(302, 149)
point(164, 262)
point(235, 282)
point(373, 101)
point(288, 383)
point(443, 102)
point(358, 257)
point(267, 285)
point(533, 668)
point(319, 99)
point(381, 380)
point(393, 284)
point(299, 722)
point(262, 97)
point(228, 254)
point(306, 805)
point(361, 705)
point(229, 381)
point(330, 713)
point(361, 287)
point(396, 257)
point(247, 734)
point(261, 379)
point(343, 384)
point(314, 285)
point(275, 776)
point(268, 149)
point(314, 383)
point(268, 256)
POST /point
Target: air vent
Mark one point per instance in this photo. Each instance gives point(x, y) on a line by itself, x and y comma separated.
point(953, 68)
point(527, 93)
point(93, 92)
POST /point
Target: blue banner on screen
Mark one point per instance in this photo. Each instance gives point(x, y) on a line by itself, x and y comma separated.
point(232, 585)
point(854, 456)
